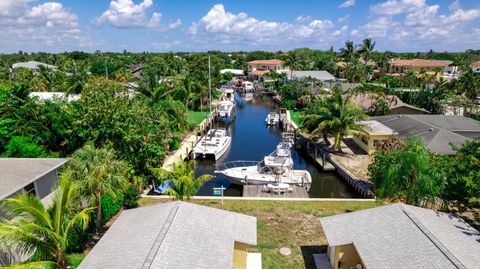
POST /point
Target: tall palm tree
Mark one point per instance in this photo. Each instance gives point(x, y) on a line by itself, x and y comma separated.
point(184, 183)
point(366, 49)
point(97, 172)
point(336, 115)
point(43, 233)
point(293, 62)
point(348, 52)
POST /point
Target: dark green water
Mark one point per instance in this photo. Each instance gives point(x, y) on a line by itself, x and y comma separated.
point(253, 140)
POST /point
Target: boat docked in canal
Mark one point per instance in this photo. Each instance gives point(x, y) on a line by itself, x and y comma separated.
point(214, 144)
point(228, 95)
point(273, 118)
point(274, 168)
point(225, 110)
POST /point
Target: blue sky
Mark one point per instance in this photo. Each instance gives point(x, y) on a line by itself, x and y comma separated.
point(196, 25)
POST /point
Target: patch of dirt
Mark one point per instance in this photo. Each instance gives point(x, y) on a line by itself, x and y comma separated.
point(356, 164)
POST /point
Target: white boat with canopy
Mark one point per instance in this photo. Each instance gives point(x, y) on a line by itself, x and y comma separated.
point(274, 168)
point(225, 110)
point(214, 144)
point(273, 118)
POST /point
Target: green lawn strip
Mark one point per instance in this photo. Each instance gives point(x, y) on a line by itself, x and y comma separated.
point(74, 259)
point(196, 117)
point(292, 224)
point(295, 116)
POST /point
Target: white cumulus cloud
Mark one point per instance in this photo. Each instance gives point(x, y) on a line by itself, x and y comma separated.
point(127, 14)
point(348, 3)
point(228, 28)
point(45, 26)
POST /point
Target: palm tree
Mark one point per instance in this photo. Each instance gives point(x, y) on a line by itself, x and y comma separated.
point(293, 63)
point(348, 52)
point(97, 172)
point(366, 49)
point(43, 233)
point(184, 182)
point(336, 115)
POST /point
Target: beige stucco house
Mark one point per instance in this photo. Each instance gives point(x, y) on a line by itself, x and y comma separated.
point(259, 68)
point(372, 134)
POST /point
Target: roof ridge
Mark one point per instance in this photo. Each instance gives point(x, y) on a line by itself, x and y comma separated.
point(432, 238)
point(160, 237)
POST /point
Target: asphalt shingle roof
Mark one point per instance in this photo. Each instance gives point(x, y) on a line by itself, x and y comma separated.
point(172, 235)
point(436, 131)
point(403, 236)
point(320, 75)
point(16, 173)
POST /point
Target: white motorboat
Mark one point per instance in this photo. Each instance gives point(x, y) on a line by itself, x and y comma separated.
point(273, 118)
point(228, 95)
point(275, 168)
point(215, 143)
point(225, 109)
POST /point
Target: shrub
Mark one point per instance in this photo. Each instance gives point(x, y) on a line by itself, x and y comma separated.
point(110, 206)
point(131, 196)
point(23, 147)
point(174, 143)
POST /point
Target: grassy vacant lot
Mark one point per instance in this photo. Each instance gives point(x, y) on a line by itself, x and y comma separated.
point(289, 224)
point(295, 116)
point(196, 117)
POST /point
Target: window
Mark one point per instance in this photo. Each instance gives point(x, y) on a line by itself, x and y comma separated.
point(30, 188)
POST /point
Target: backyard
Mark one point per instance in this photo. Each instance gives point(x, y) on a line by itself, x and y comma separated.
point(196, 117)
point(292, 224)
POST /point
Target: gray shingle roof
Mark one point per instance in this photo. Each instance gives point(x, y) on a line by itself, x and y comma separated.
point(172, 235)
point(403, 236)
point(320, 75)
point(16, 173)
point(436, 131)
point(33, 65)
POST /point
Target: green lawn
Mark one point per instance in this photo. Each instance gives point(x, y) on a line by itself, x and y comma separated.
point(295, 116)
point(74, 259)
point(196, 117)
point(280, 224)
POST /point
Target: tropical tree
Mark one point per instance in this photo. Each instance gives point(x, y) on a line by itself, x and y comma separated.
point(96, 172)
point(45, 234)
point(183, 181)
point(293, 62)
point(405, 173)
point(348, 52)
point(366, 49)
point(336, 115)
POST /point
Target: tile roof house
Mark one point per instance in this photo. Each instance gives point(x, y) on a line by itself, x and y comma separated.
point(176, 235)
point(367, 100)
point(400, 236)
point(416, 65)
point(436, 131)
point(259, 68)
point(475, 66)
point(34, 175)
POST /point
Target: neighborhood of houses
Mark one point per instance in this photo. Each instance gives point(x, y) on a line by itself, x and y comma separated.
point(186, 235)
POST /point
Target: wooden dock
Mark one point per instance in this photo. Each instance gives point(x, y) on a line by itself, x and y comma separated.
point(262, 191)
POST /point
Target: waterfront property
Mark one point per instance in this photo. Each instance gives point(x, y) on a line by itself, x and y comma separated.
point(400, 236)
point(323, 76)
point(367, 101)
point(397, 66)
point(33, 175)
point(438, 132)
point(259, 68)
point(177, 235)
point(373, 132)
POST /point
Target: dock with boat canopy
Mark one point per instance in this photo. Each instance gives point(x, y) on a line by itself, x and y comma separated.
point(263, 192)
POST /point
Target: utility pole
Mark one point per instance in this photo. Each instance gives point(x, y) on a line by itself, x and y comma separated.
point(209, 91)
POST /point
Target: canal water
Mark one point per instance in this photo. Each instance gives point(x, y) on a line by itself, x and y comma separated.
point(252, 140)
